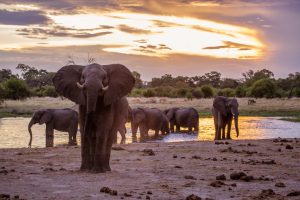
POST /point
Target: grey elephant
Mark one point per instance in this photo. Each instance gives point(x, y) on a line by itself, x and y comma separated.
point(224, 110)
point(100, 91)
point(124, 115)
point(183, 117)
point(148, 118)
point(65, 120)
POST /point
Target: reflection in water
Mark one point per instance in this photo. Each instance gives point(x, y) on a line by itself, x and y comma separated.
point(14, 133)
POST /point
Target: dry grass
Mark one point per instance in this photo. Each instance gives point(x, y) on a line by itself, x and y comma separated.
point(262, 107)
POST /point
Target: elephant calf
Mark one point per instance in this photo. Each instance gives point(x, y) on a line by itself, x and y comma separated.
point(183, 117)
point(224, 110)
point(148, 118)
point(65, 120)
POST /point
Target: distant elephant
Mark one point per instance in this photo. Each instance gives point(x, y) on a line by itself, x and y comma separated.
point(148, 118)
point(224, 110)
point(100, 91)
point(124, 114)
point(59, 119)
point(183, 117)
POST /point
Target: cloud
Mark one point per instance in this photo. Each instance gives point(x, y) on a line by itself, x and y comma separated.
point(22, 18)
point(132, 30)
point(60, 31)
point(228, 44)
point(152, 49)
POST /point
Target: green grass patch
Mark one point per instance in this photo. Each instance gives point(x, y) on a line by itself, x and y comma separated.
point(291, 119)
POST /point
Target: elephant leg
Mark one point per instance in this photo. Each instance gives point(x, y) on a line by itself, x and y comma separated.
point(228, 130)
point(219, 127)
point(156, 133)
point(108, 149)
point(190, 130)
point(171, 127)
point(223, 132)
point(143, 133)
point(196, 127)
point(49, 135)
point(177, 128)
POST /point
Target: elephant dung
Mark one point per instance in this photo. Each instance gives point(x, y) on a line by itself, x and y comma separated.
point(193, 197)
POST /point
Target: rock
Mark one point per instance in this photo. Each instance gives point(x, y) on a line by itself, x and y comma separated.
point(293, 194)
point(237, 175)
point(190, 177)
point(279, 184)
point(127, 195)
point(289, 147)
point(117, 148)
point(268, 162)
point(247, 178)
point(266, 193)
point(221, 177)
point(174, 156)
point(217, 183)
point(149, 152)
point(196, 157)
point(107, 190)
point(193, 197)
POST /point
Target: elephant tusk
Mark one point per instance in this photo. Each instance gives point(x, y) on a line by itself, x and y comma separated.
point(79, 85)
point(105, 88)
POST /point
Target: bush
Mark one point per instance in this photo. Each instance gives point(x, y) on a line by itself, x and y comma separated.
point(148, 93)
point(197, 93)
point(189, 96)
point(16, 89)
point(207, 91)
point(263, 88)
point(227, 92)
point(240, 91)
point(136, 92)
point(181, 92)
point(296, 92)
point(2, 93)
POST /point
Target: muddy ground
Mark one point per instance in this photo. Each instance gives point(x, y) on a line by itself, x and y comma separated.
point(271, 170)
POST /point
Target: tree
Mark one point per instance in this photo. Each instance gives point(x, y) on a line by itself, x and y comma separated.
point(16, 89)
point(263, 88)
point(138, 80)
point(214, 78)
point(6, 74)
point(35, 77)
point(250, 77)
point(207, 91)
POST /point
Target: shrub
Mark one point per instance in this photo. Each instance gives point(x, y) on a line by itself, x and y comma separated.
point(148, 93)
point(189, 96)
point(49, 91)
point(181, 92)
point(16, 89)
point(296, 92)
point(136, 92)
point(197, 93)
point(227, 92)
point(263, 88)
point(207, 91)
point(2, 93)
point(240, 91)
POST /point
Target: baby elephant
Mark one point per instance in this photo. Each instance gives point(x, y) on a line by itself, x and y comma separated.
point(65, 120)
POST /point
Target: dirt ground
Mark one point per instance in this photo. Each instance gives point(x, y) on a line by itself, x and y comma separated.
point(158, 171)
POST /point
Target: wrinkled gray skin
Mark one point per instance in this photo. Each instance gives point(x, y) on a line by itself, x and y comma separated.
point(100, 91)
point(183, 117)
point(124, 113)
point(65, 120)
point(224, 110)
point(148, 118)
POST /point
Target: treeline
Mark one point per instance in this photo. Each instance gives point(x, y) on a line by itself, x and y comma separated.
point(259, 84)
point(33, 82)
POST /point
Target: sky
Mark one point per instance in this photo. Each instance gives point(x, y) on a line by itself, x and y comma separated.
point(153, 37)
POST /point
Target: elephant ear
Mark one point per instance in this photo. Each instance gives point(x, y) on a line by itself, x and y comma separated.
point(120, 82)
point(220, 104)
point(46, 117)
point(65, 83)
point(171, 113)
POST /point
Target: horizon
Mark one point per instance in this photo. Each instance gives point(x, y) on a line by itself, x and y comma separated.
point(219, 35)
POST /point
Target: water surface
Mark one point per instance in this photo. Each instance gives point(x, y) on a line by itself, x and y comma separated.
point(14, 133)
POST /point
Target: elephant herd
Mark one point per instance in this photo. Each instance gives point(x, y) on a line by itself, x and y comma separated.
point(100, 92)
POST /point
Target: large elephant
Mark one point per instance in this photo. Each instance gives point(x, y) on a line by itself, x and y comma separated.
point(183, 117)
point(59, 119)
point(224, 110)
point(148, 118)
point(100, 91)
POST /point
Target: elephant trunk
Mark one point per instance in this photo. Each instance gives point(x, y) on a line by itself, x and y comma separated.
point(30, 132)
point(236, 125)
